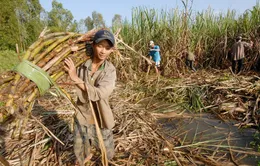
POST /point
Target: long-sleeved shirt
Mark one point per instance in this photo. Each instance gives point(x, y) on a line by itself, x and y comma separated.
point(238, 50)
point(99, 87)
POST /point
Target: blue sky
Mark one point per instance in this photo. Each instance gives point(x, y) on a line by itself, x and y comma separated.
point(81, 9)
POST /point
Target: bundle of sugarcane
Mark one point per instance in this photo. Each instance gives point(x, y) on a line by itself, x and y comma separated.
point(39, 69)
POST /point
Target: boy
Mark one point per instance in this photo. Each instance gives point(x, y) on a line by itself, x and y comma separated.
point(95, 81)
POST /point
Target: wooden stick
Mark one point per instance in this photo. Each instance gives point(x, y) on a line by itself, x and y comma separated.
point(99, 135)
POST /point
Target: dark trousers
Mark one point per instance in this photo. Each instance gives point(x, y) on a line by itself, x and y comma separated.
point(85, 137)
point(238, 64)
point(189, 63)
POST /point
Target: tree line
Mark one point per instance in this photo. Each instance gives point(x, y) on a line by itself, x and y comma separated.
point(21, 22)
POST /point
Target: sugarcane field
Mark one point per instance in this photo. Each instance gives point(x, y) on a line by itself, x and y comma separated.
point(166, 87)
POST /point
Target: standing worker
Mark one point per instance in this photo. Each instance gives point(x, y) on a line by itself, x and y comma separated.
point(95, 81)
point(154, 53)
point(190, 59)
point(238, 54)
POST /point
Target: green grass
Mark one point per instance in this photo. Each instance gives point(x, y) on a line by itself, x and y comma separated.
point(8, 59)
point(2, 103)
point(256, 143)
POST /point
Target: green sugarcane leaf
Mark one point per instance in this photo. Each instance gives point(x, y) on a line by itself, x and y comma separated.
point(37, 75)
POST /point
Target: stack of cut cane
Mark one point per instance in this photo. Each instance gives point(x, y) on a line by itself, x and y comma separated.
point(17, 92)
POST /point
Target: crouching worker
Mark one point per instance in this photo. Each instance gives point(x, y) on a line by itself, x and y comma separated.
point(95, 81)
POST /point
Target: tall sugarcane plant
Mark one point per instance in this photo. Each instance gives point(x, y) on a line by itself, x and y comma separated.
point(208, 33)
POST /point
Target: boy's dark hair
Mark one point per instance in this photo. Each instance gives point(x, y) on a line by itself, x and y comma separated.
point(89, 49)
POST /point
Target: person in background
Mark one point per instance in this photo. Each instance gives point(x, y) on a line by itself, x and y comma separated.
point(238, 54)
point(190, 59)
point(154, 54)
point(94, 81)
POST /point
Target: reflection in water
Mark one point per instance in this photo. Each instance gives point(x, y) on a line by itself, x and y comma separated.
point(207, 131)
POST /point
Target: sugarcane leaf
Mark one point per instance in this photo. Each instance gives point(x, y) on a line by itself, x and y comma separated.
point(36, 74)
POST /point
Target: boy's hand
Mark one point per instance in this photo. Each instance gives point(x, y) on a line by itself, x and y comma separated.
point(251, 43)
point(71, 69)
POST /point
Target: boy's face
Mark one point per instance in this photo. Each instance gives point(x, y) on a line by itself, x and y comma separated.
point(102, 50)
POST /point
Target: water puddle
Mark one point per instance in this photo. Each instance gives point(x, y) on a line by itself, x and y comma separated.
point(211, 134)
